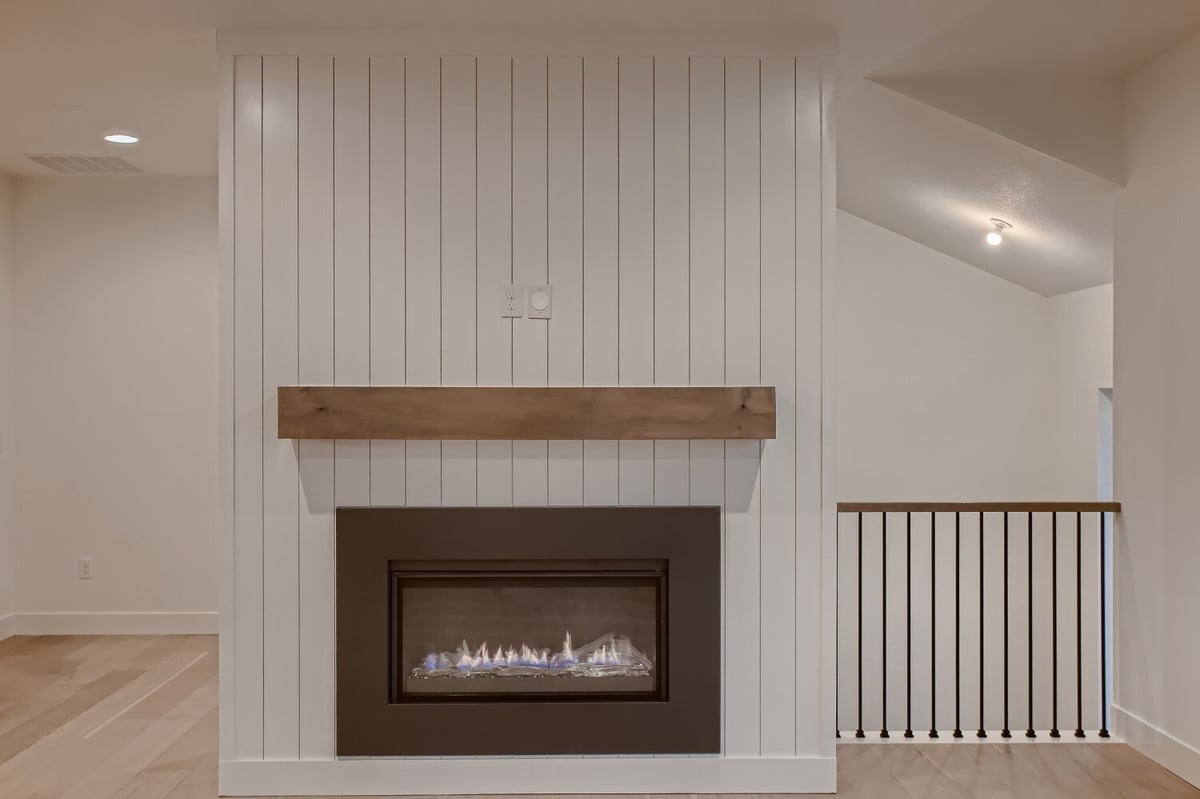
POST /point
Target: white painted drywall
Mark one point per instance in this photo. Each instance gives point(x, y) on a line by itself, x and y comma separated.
point(682, 210)
point(956, 385)
point(943, 375)
point(1156, 424)
point(116, 366)
point(7, 390)
point(1081, 363)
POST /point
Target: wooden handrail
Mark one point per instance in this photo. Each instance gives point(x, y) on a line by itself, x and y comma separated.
point(979, 507)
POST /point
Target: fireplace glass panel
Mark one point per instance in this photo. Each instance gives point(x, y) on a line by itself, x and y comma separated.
point(479, 635)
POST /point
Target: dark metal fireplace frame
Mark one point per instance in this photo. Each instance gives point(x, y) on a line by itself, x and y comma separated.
point(374, 543)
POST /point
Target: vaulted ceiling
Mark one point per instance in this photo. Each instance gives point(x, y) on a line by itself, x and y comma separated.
point(950, 112)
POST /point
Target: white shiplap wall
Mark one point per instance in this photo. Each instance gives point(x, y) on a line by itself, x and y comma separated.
point(373, 208)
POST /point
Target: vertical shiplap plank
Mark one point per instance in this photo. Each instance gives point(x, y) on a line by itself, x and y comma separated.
point(281, 594)
point(227, 349)
point(248, 407)
point(352, 260)
point(706, 328)
point(458, 262)
point(600, 480)
point(565, 257)
point(494, 234)
point(635, 262)
point(530, 264)
point(672, 360)
point(742, 320)
point(315, 302)
point(778, 343)
point(826, 662)
point(387, 262)
point(423, 258)
point(811, 553)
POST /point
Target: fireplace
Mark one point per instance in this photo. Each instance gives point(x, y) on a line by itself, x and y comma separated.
point(524, 631)
point(553, 631)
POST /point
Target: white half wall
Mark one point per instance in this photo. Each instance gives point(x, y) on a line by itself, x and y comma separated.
point(373, 207)
point(7, 392)
point(116, 319)
point(1156, 426)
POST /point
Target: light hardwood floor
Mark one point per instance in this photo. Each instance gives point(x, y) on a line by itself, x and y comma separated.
point(124, 717)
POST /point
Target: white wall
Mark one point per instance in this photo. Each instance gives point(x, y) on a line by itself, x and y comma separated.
point(7, 428)
point(1157, 429)
point(956, 385)
point(116, 298)
point(374, 208)
point(1081, 363)
point(943, 375)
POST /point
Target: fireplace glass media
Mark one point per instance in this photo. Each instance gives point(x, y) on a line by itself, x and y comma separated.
point(553, 633)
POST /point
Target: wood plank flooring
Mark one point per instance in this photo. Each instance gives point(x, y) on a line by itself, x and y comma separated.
point(128, 717)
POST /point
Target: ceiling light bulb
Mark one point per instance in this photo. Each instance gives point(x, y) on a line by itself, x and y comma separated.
point(121, 138)
point(995, 237)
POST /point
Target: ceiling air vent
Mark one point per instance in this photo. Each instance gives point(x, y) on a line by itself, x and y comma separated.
point(87, 164)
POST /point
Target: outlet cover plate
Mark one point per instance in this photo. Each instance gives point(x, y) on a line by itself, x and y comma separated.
point(512, 301)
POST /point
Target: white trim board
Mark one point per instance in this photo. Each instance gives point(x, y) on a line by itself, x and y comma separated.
point(1157, 744)
point(8, 626)
point(627, 41)
point(112, 623)
point(530, 775)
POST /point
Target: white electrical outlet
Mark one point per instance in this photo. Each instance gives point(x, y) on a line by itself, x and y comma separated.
point(512, 301)
point(85, 568)
point(541, 300)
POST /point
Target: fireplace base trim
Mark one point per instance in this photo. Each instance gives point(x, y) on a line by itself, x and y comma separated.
point(555, 775)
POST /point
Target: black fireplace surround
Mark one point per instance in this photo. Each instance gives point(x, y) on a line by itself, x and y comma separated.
point(528, 631)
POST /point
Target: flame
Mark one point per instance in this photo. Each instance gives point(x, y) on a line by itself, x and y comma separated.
point(607, 651)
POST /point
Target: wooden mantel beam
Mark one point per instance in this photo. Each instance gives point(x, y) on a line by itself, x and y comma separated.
point(527, 413)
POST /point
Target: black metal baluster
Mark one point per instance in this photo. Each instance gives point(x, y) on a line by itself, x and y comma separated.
point(1078, 624)
point(1054, 733)
point(883, 732)
point(1029, 733)
point(1006, 732)
point(1103, 628)
point(981, 733)
point(933, 733)
point(957, 626)
point(908, 731)
point(858, 733)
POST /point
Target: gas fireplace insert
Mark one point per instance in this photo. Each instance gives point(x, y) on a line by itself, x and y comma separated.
point(516, 631)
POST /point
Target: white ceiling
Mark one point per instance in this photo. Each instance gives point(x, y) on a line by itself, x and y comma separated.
point(73, 70)
point(950, 111)
point(1008, 109)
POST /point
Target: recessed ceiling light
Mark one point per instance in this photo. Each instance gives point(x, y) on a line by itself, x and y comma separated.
point(121, 138)
point(994, 237)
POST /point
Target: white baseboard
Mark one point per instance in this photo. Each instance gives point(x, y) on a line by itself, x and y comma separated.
point(528, 775)
point(150, 623)
point(1158, 744)
point(8, 626)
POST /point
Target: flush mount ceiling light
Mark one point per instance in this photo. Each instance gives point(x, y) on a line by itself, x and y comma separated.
point(995, 237)
point(121, 138)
